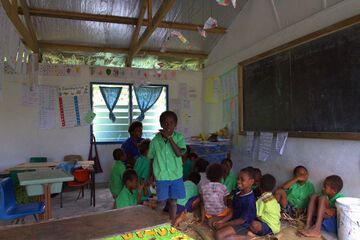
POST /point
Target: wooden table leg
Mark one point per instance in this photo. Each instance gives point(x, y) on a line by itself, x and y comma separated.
point(47, 197)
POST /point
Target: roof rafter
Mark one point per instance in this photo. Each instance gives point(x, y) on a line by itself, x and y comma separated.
point(41, 12)
point(45, 45)
point(135, 34)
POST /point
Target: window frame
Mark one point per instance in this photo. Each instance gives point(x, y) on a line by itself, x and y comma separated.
point(131, 85)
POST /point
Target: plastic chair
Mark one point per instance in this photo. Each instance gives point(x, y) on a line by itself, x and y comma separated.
point(82, 179)
point(38, 159)
point(9, 210)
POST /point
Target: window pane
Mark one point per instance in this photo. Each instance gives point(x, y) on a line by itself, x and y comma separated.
point(103, 128)
point(151, 124)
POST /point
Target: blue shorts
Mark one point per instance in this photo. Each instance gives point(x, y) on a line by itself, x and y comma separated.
point(173, 189)
point(329, 225)
point(241, 229)
point(265, 229)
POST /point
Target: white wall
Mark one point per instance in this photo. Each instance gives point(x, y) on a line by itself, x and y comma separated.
point(258, 28)
point(21, 138)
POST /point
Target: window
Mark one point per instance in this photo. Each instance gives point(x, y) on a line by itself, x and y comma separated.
point(125, 111)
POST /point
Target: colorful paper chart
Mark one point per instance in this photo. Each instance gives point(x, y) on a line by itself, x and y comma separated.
point(158, 232)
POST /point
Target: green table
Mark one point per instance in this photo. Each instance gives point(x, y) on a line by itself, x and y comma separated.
point(44, 182)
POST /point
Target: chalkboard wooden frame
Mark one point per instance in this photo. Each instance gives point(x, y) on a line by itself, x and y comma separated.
point(299, 41)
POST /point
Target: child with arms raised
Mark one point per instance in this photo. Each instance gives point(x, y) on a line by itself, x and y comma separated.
point(214, 195)
point(166, 150)
point(130, 195)
point(323, 207)
point(294, 195)
point(267, 210)
point(117, 170)
point(243, 210)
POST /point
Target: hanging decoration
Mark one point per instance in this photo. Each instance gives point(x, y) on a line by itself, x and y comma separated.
point(223, 2)
point(111, 96)
point(209, 24)
point(58, 70)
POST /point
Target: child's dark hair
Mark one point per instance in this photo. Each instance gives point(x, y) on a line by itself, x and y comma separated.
point(250, 171)
point(129, 175)
point(227, 160)
point(193, 155)
point(144, 146)
point(118, 153)
point(297, 168)
point(334, 182)
point(201, 165)
point(133, 126)
point(194, 177)
point(267, 183)
point(167, 114)
point(257, 172)
point(214, 172)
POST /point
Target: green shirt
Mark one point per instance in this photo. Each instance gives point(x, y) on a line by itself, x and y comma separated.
point(116, 183)
point(166, 165)
point(191, 190)
point(333, 199)
point(126, 198)
point(187, 167)
point(230, 182)
point(299, 195)
point(268, 211)
point(142, 167)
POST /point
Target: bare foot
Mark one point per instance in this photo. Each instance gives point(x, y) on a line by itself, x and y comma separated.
point(311, 233)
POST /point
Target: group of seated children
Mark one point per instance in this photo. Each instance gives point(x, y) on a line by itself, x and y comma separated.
point(238, 208)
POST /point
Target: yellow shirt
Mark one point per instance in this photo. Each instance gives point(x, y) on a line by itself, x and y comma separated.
point(268, 211)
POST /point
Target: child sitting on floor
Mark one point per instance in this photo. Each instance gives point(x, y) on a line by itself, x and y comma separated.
point(294, 195)
point(323, 207)
point(243, 210)
point(117, 170)
point(214, 195)
point(267, 210)
point(229, 179)
point(188, 162)
point(200, 167)
point(130, 195)
point(255, 187)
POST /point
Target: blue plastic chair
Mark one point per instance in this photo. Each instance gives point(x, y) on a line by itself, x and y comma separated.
point(9, 210)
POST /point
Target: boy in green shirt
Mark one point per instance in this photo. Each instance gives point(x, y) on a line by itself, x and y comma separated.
point(323, 207)
point(130, 195)
point(188, 162)
point(117, 170)
point(229, 179)
point(294, 195)
point(267, 210)
point(166, 150)
point(142, 167)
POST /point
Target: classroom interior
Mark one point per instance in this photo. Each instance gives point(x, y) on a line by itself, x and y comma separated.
point(63, 52)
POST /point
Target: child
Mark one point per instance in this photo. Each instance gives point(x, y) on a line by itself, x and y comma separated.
point(200, 167)
point(229, 179)
point(130, 195)
point(192, 200)
point(214, 195)
point(243, 210)
point(258, 176)
point(294, 195)
point(166, 150)
point(323, 207)
point(142, 165)
point(188, 162)
point(267, 210)
point(117, 170)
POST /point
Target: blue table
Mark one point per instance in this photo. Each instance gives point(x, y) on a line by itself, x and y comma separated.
point(213, 152)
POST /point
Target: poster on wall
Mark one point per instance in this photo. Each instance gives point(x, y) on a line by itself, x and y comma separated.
point(74, 106)
point(265, 144)
point(47, 98)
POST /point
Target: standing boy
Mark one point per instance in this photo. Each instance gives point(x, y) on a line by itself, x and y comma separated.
point(166, 150)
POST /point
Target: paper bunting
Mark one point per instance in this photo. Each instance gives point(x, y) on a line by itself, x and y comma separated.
point(58, 70)
point(210, 23)
point(180, 36)
point(202, 32)
point(233, 3)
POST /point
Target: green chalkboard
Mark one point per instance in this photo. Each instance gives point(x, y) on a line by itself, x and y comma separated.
point(313, 87)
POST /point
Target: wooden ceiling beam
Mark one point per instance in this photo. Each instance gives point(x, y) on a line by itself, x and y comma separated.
point(149, 7)
point(29, 24)
point(51, 46)
point(19, 25)
point(41, 12)
point(160, 14)
point(135, 34)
